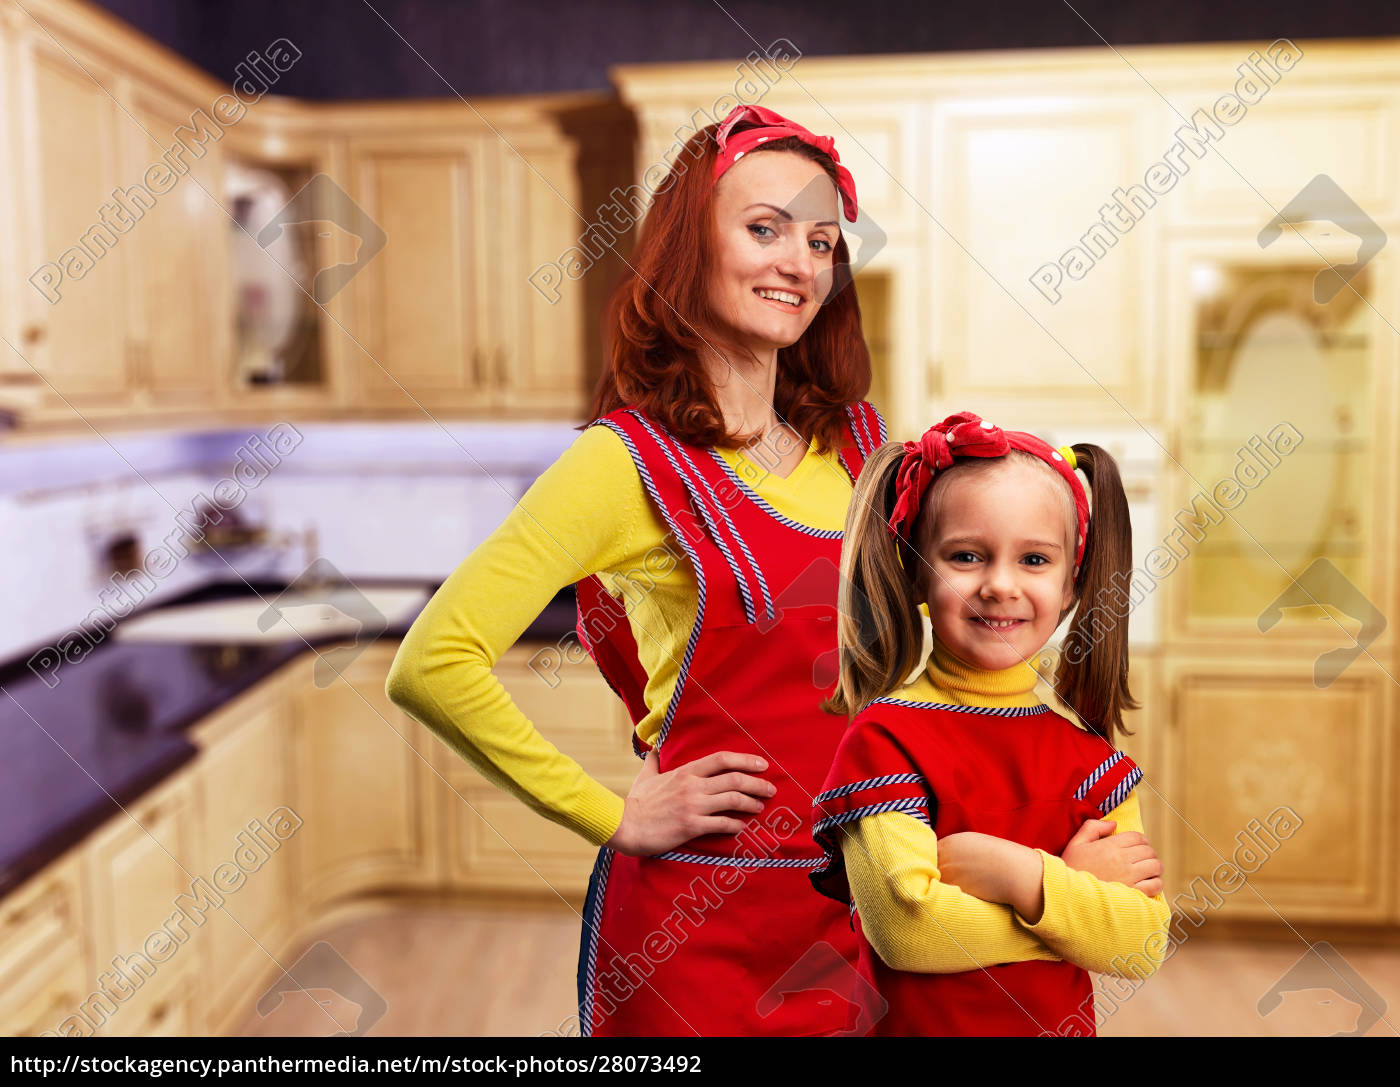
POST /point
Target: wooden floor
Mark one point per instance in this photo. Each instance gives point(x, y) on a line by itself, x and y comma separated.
point(484, 970)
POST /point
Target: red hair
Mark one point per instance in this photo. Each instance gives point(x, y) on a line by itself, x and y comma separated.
point(659, 318)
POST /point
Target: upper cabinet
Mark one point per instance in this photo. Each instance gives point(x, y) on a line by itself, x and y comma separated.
point(173, 251)
point(1016, 316)
point(423, 320)
point(75, 306)
point(180, 316)
point(463, 309)
point(1024, 202)
point(1020, 213)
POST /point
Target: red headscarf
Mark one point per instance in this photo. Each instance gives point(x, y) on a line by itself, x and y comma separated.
point(965, 435)
point(774, 126)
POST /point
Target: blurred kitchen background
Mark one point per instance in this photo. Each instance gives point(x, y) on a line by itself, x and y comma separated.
point(298, 299)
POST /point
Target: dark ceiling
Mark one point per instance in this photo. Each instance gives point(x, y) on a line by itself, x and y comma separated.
point(476, 47)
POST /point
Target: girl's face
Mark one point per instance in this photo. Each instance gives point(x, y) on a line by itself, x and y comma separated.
point(775, 219)
point(999, 566)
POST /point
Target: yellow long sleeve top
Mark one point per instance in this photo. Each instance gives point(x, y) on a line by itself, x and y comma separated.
point(587, 513)
point(916, 922)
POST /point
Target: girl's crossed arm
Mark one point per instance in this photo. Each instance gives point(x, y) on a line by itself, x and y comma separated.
point(915, 920)
point(1099, 906)
point(1091, 907)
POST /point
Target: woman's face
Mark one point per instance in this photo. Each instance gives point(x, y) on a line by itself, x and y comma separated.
point(776, 215)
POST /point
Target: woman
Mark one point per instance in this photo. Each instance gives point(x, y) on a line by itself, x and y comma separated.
point(733, 324)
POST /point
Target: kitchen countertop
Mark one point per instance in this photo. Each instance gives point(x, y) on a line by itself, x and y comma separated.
point(114, 725)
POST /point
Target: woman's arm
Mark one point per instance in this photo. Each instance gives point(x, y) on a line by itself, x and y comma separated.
point(575, 520)
point(914, 920)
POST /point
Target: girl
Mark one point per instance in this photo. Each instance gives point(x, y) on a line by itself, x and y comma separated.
point(951, 818)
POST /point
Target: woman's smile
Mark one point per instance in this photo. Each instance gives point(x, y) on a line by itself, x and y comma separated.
point(789, 301)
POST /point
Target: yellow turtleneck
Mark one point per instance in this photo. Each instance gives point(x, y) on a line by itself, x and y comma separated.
point(916, 922)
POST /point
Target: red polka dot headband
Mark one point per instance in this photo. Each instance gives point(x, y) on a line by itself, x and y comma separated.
point(774, 126)
point(965, 435)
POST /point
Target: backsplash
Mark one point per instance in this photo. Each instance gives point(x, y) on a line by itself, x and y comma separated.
point(389, 500)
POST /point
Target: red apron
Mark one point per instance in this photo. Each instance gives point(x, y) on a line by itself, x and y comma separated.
point(724, 935)
point(1026, 774)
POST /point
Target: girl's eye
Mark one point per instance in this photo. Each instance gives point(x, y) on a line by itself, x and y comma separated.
point(963, 556)
point(1040, 560)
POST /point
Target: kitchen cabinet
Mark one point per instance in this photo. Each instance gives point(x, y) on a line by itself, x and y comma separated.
point(1284, 455)
point(1014, 327)
point(43, 949)
point(496, 843)
point(422, 313)
point(446, 314)
point(181, 322)
point(75, 304)
point(291, 350)
point(147, 912)
point(1343, 125)
point(362, 783)
point(123, 308)
point(245, 775)
point(1257, 744)
point(537, 353)
point(471, 200)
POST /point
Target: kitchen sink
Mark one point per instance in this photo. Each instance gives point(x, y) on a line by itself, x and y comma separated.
point(339, 611)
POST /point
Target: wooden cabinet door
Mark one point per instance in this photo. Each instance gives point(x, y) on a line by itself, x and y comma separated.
point(1291, 782)
point(1022, 182)
point(1341, 126)
point(418, 316)
point(149, 906)
point(497, 843)
point(181, 313)
point(361, 777)
point(249, 826)
point(71, 163)
point(43, 961)
point(537, 360)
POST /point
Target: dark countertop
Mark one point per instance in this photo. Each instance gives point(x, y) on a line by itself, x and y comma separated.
point(114, 725)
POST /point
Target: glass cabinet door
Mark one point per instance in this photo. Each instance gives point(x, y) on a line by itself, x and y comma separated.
point(277, 333)
point(1278, 429)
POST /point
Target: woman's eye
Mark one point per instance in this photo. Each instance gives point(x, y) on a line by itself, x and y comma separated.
point(827, 246)
point(755, 228)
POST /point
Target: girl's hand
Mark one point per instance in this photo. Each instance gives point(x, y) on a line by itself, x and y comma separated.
point(663, 811)
point(1126, 858)
point(994, 870)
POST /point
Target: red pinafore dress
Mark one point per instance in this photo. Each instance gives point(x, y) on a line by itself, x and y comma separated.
point(724, 935)
point(1027, 774)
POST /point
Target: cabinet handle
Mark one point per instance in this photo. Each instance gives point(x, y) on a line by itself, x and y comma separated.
point(502, 356)
point(32, 334)
point(477, 367)
point(133, 363)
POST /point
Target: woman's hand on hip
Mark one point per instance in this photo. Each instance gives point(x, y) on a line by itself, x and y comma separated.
point(664, 810)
